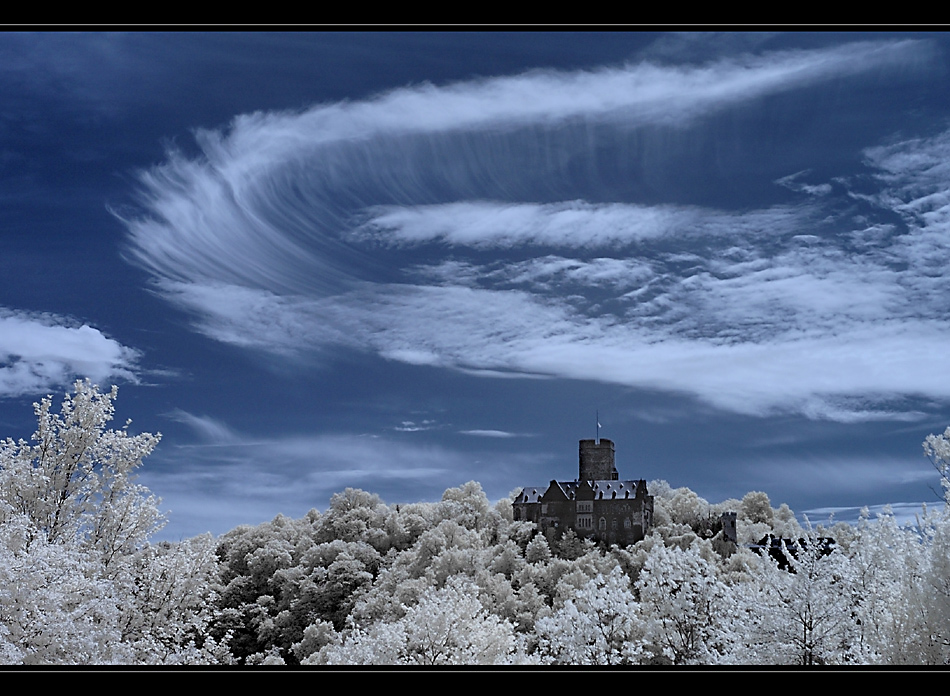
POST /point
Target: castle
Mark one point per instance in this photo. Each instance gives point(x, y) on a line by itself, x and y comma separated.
point(597, 506)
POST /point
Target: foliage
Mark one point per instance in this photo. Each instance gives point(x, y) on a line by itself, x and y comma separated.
point(446, 627)
point(73, 484)
point(685, 606)
point(937, 448)
point(811, 613)
point(82, 584)
point(599, 625)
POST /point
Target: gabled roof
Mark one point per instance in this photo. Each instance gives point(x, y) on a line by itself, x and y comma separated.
point(558, 490)
point(531, 494)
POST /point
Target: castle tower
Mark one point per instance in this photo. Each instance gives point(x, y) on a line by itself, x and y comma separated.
point(597, 460)
point(729, 531)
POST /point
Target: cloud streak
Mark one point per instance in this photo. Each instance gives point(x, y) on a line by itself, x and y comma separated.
point(449, 226)
point(292, 473)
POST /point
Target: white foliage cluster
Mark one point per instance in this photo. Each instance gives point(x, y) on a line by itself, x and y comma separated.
point(79, 581)
point(459, 582)
point(601, 624)
point(447, 627)
point(937, 447)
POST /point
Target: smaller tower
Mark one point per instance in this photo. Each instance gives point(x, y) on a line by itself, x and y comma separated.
point(729, 531)
point(596, 460)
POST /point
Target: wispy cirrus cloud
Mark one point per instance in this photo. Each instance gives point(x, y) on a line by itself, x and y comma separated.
point(210, 430)
point(490, 224)
point(268, 201)
point(293, 473)
point(904, 513)
point(40, 352)
point(490, 433)
point(442, 226)
point(571, 224)
point(846, 476)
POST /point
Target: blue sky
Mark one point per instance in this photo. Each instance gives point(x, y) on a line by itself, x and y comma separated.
point(402, 261)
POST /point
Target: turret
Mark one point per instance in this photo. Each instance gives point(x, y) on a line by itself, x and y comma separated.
point(597, 461)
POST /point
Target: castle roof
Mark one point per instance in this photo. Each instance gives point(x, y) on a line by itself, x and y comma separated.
point(531, 494)
point(614, 489)
point(601, 490)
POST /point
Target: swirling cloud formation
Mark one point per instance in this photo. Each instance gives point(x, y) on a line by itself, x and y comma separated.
point(492, 226)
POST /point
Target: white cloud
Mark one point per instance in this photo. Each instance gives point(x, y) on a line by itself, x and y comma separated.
point(639, 93)
point(209, 429)
point(300, 232)
point(489, 433)
point(793, 182)
point(408, 426)
point(265, 476)
point(493, 224)
point(263, 206)
point(854, 476)
point(543, 273)
point(905, 513)
point(572, 224)
point(40, 352)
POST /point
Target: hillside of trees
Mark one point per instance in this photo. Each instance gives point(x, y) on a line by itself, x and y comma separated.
point(450, 582)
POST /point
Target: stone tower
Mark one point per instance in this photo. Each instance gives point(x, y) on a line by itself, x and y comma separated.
point(729, 531)
point(597, 461)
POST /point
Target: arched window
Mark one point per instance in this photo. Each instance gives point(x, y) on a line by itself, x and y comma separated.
point(603, 524)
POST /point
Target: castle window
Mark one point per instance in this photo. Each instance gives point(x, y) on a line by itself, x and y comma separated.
point(603, 524)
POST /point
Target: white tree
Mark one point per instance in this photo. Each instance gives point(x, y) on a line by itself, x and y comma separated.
point(891, 566)
point(74, 482)
point(599, 625)
point(935, 529)
point(447, 627)
point(807, 610)
point(937, 448)
point(84, 586)
point(688, 611)
point(53, 608)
